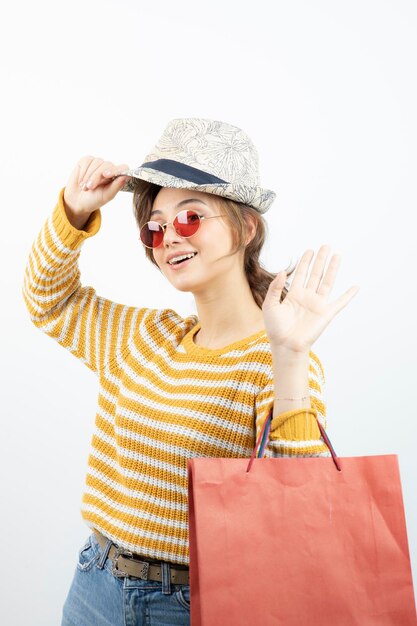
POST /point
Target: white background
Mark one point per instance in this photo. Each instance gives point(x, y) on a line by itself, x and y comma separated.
point(327, 91)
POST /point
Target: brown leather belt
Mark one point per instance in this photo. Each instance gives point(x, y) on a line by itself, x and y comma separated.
point(126, 563)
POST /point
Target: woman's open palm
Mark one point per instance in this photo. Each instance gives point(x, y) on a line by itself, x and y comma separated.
point(300, 319)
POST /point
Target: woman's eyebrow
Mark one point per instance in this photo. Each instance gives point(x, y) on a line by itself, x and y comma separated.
point(187, 201)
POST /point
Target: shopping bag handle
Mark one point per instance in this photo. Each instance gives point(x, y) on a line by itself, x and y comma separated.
point(264, 435)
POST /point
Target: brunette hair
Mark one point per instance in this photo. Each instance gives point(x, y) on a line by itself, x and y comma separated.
point(238, 216)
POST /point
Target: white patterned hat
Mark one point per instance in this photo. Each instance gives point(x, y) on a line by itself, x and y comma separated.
point(209, 156)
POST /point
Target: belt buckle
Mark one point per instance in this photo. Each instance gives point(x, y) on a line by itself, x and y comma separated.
point(114, 569)
point(118, 573)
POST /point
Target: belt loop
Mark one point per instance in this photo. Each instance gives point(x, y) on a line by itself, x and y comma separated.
point(105, 554)
point(166, 578)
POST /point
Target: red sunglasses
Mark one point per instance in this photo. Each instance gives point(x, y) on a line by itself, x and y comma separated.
point(186, 224)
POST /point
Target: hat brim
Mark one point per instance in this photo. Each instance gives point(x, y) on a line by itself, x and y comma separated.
point(256, 197)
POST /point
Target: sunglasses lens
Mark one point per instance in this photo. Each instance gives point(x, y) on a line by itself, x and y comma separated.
point(186, 223)
point(152, 234)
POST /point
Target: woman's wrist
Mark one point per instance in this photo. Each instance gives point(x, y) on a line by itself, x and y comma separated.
point(291, 380)
point(76, 220)
point(288, 355)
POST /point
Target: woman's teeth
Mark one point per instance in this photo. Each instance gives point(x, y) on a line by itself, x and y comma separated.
point(178, 259)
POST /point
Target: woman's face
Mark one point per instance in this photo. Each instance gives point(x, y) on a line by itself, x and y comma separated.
point(211, 243)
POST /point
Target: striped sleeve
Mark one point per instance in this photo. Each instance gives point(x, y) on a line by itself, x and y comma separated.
point(92, 328)
point(296, 433)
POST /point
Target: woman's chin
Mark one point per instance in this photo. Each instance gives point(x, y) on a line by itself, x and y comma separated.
point(182, 283)
point(181, 287)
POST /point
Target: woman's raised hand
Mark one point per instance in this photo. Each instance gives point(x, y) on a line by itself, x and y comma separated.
point(295, 323)
point(92, 184)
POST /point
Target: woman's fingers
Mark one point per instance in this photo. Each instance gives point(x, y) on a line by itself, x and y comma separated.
point(92, 168)
point(343, 300)
point(319, 280)
point(92, 184)
point(101, 173)
point(114, 186)
point(318, 268)
point(300, 273)
point(85, 166)
point(330, 276)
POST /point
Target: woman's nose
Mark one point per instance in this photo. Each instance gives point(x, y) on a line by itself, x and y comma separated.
point(170, 234)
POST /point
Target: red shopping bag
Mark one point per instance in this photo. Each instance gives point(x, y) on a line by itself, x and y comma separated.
point(295, 542)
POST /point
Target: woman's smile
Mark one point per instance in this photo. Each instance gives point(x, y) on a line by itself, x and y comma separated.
point(180, 264)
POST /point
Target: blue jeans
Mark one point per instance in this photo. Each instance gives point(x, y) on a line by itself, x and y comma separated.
point(98, 598)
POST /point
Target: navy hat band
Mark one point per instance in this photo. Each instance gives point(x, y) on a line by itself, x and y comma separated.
point(186, 172)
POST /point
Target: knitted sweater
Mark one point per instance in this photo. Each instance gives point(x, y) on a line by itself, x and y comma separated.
point(162, 399)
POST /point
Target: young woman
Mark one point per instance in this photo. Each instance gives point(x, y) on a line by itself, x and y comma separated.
point(174, 388)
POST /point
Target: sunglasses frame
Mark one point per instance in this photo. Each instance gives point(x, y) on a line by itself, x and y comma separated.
point(164, 226)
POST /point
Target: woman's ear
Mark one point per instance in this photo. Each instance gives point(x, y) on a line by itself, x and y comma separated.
point(250, 228)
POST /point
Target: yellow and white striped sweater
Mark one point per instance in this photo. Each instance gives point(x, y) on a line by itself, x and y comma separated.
point(162, 399)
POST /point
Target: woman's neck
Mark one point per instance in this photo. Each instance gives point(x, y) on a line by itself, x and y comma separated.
point(228, 319)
